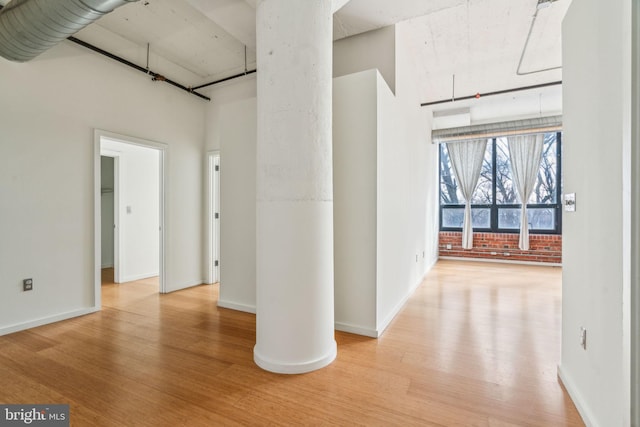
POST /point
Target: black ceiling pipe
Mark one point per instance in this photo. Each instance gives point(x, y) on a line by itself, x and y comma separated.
point(226, 79)
point(155, 76)
point(498, 92)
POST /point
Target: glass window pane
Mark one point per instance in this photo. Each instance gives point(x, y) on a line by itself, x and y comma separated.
point(545, 189)
point(539, 218)
point(505, 191)
point(481, 217)
point(509, 218)
point(449, 192)
point(454, 217)
point(484, 192)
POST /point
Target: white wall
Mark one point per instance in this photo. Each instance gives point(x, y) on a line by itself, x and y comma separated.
point(631, 222)
point(407, 188)
point(106, 208)
point(50, 108)
point(231, 128)
point(397, 255)
point(355, 152)
point(596, 58)
point(236, 122)
point(371, 50)
point(138, 209)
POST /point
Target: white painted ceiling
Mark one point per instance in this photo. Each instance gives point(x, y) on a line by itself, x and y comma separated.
point(481, 42)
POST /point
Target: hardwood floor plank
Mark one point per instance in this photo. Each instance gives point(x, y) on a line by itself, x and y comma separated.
point(476, 345)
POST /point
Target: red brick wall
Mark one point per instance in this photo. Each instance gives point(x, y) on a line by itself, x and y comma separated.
point(504, 246)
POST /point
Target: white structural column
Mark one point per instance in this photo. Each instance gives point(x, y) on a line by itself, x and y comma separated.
point(295, 322)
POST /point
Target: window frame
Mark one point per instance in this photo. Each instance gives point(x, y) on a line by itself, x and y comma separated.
point(495, 207)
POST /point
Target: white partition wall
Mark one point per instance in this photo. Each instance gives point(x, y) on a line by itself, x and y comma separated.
point(355, 156)
point(596, 252)
point(384, 180)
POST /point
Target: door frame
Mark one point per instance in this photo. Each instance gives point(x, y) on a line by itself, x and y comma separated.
point(631, 240)
point(162, 149)
point(213, 224)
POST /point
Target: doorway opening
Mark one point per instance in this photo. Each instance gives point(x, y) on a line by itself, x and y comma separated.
point(213, 216)
point(109, 165)
point(129, 211)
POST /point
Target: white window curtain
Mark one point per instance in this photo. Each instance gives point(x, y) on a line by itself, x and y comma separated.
point(525, 152)
point(466, 161)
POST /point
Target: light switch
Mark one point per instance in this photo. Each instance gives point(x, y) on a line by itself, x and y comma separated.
point(128, 209)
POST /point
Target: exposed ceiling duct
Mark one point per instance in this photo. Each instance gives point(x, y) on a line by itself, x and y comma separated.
point(30, 27)
point(544, 3)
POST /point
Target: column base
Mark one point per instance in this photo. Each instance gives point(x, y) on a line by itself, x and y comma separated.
point(295, 368)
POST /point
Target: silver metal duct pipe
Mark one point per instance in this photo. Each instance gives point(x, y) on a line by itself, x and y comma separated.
point(29, 27)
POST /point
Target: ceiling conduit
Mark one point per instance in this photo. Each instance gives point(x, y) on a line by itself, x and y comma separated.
point(30, 27)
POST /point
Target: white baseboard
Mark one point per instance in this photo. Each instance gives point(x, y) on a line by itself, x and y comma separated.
point(185, 285)
point(134, 277)
point(46, 320)
point(300, 367)
point(578, 400)
point(237, 306)
point(107, 265)
point(358, 330)
point(502, 261)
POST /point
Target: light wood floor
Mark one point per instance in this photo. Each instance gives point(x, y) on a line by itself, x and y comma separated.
point(476, 345)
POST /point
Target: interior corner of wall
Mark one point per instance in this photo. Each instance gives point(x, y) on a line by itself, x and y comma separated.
point(434, 259)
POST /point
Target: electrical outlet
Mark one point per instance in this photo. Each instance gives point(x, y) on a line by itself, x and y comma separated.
point(583, 337)
point(27, 285)
point(449, 246)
